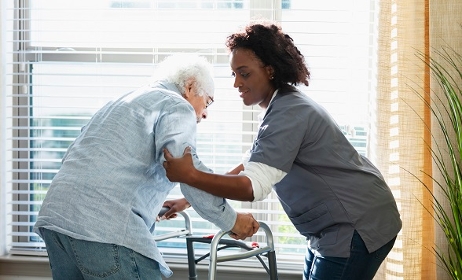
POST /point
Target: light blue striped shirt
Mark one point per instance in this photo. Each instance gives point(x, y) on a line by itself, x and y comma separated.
point(112, 183)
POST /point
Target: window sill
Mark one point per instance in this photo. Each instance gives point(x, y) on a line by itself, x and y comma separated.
point(26, 266)
point(38, 266)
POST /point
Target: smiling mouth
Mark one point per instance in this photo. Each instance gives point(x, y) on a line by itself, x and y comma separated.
point(242, 92)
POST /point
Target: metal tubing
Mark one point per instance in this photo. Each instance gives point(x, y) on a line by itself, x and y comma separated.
point(269, 248)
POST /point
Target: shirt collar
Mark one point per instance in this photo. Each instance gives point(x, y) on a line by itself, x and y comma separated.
point(263, 112)
point(166, 85)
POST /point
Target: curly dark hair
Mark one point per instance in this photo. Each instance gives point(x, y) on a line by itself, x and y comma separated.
point(273, 48)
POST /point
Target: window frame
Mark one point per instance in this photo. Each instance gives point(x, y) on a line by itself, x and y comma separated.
point(27, 54)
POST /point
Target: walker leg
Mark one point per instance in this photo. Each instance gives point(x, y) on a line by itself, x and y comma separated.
point(191, 260)
point(272, 265)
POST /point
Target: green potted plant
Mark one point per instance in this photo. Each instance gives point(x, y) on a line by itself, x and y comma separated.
point(446, 106)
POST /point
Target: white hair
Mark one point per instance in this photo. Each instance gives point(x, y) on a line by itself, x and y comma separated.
point(182, 69)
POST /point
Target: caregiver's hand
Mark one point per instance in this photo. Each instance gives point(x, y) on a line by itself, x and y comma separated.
point(180, 169)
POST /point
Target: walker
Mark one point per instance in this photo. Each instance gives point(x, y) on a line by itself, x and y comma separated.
point(217, 243)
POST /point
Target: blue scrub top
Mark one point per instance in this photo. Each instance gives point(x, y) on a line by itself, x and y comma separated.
point(330, 190)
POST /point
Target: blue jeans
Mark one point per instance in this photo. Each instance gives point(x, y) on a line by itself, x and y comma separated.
point(74, 259)
point(361, 265)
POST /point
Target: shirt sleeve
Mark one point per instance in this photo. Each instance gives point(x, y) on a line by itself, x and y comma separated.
point(212, 208)
point(263, 178)
point(175, 131)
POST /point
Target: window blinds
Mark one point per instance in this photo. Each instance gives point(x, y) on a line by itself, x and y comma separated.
point(65, 59)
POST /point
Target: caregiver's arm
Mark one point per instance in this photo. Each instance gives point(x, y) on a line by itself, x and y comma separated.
point(236, 170)
point(232, 186)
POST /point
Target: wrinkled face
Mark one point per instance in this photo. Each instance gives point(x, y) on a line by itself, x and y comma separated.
point(199, 103)
point(251, 77)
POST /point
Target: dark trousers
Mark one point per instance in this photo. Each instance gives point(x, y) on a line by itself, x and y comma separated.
point(361, 265)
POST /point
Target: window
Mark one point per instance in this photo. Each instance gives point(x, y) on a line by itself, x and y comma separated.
point(66, 59)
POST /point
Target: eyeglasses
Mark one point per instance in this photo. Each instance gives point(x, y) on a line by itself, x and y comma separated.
point(209, 101)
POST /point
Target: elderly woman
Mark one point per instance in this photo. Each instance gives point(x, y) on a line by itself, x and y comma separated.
point(99, 213)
